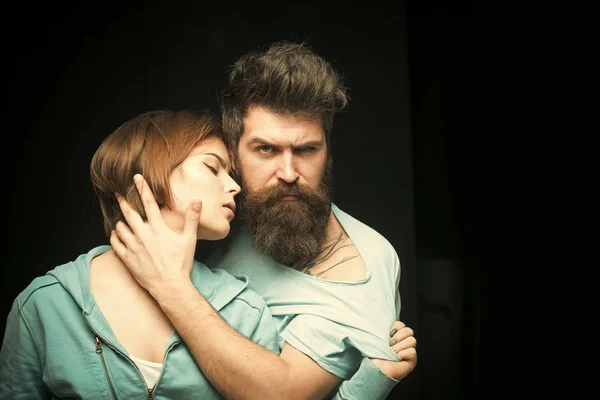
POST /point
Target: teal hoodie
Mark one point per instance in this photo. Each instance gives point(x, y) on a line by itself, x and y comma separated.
point(57, 343)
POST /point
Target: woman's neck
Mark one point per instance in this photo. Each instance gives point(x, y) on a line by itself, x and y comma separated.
point(107, 270)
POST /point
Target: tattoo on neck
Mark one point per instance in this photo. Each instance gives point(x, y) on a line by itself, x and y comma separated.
point(323, 255)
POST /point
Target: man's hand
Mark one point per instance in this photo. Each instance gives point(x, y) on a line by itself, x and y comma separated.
point(158, 257)
point(403, 342)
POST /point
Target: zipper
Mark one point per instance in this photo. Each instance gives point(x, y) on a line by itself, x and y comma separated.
point(99, 345)
point(101, 353)
point(151, 391)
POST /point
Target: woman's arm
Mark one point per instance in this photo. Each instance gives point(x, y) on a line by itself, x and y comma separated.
point(20, 366)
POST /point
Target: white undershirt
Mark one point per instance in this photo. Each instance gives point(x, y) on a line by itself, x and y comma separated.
point(150, 370)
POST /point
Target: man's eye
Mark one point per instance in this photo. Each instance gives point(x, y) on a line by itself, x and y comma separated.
point(265, 149)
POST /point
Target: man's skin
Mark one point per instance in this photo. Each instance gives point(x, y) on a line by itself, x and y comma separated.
point(272, 149)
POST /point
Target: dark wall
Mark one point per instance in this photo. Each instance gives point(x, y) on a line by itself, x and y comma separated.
point(77, 74)
point(452, 153)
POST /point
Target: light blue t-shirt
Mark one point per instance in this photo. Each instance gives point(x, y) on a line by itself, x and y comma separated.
point(336, 323)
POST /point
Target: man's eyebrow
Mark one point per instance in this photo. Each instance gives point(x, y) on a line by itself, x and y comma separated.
point(218, 157)
point(260, 141)
point(313, 143)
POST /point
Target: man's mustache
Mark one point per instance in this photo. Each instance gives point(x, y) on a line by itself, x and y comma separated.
point(272, 195)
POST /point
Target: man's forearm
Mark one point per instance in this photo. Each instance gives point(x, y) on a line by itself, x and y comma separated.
point(234, 364)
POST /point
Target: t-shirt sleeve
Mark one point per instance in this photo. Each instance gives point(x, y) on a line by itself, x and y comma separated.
point(265, 332)
point(326, 342)
point(369, 382)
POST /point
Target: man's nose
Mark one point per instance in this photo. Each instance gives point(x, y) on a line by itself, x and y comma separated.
point(287, 170)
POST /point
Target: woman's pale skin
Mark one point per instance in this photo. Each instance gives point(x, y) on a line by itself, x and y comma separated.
point(202, 179)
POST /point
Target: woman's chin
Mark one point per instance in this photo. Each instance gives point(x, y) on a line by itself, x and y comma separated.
point(213, 234)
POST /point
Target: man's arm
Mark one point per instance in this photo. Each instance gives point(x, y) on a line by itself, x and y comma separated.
point(238, 367)
point(234, 364)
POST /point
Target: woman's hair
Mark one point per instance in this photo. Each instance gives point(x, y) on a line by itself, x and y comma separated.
point(152, 144)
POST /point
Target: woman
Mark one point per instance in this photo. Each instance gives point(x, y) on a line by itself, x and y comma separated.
point(87, 329)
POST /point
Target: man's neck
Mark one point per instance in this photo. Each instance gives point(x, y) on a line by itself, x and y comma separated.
point(334, 230)
point(333, 251)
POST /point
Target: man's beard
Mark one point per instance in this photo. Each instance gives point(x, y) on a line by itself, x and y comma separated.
point(288, 231)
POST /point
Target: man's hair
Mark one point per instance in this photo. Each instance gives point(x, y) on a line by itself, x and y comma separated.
point(286, 78)
point(152, 144)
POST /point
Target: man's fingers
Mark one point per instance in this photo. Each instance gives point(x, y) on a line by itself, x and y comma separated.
point(405, 344)
point(126, 236)
point(149, 202)
point(117, 245)
point(134, 220)
point(192, 218)
point(409, 355)
point(401, 334)
point(396, 327)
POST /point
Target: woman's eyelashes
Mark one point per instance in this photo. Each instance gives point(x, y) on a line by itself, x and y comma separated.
point(213, 169)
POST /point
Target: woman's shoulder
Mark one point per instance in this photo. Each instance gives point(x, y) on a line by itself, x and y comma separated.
point(40, 289)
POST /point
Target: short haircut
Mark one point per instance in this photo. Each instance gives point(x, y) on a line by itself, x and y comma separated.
point(152, 144)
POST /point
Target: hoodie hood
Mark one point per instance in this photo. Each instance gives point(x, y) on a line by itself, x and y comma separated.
point(75, 277)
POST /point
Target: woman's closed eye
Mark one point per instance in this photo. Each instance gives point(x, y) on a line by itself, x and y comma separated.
point(213, 169)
